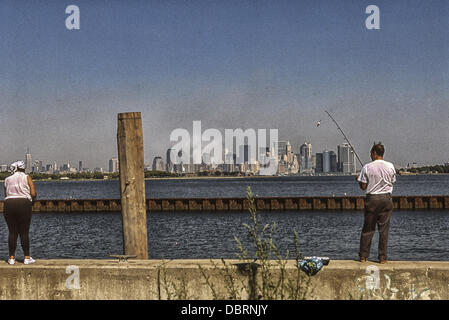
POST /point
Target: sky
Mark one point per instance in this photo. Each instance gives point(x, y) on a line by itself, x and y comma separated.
point(231, 64)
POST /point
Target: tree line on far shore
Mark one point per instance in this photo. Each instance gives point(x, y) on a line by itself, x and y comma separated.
point(430, 169)
point(87, 175)
point(164, 174)
point(116, 175)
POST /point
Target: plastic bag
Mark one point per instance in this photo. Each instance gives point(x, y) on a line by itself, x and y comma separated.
point(312, 265)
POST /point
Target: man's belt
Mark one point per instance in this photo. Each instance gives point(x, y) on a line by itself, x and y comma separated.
point(379, 195)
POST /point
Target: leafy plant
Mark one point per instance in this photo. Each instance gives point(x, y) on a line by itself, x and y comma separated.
point(267, 274)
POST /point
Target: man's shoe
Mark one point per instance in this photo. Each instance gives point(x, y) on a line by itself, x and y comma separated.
point(29, 261)
point(11, 261)
point(362, 259)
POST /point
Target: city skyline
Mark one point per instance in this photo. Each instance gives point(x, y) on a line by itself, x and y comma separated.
point(39, 165)
point(112, 162)
point(305, 161)
point(288, 162)
point(231, 65)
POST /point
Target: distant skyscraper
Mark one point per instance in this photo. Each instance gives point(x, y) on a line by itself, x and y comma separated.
point(333, 161)
point(113, 165)
point(265, 151)
point(28, 162)
point(319, 163)
point(306, 153)
point(288, 147)
point(306, 150)
point(170, 165)
point(229, 158)
point(282, 147)
point(302, 163)
point(326, 162)
point(346, 159)
point(158, 164)
point(80, 166)
point(66, 167)
point(179, 167)
point(206, 158)
point(49, 168)
point(37, 166)
point(244, 154)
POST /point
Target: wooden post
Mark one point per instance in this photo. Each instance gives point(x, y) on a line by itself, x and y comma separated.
point(132, 184)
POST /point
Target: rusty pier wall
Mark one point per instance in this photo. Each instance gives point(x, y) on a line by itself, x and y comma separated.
point(239, 204)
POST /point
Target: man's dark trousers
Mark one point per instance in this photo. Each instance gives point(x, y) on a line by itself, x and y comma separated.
point(378, 209)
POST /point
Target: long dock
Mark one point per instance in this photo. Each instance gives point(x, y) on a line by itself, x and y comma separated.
point(239, 204)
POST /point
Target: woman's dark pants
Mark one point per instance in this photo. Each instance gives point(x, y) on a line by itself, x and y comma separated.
point(378, 209)
point(17, 213)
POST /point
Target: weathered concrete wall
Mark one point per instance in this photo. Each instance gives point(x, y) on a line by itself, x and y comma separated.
point(156, 279)
point(238, 204)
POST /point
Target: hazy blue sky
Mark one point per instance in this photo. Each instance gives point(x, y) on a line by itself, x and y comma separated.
point(230, 64)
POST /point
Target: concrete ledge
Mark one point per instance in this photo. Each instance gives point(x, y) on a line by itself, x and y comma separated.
point(187, 279)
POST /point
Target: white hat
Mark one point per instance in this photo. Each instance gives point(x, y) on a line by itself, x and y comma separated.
point(17, 165)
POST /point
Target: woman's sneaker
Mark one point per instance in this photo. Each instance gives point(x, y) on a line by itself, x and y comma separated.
point(11, 261)
point(29, 261)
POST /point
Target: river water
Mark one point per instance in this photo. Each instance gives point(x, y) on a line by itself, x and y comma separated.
point(414, 235)
point(236, 187)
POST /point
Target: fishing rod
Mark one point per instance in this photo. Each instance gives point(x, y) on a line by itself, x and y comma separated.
point(347, 140)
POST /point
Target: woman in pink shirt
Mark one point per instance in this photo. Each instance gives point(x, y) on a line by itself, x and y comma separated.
point(19, 194)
